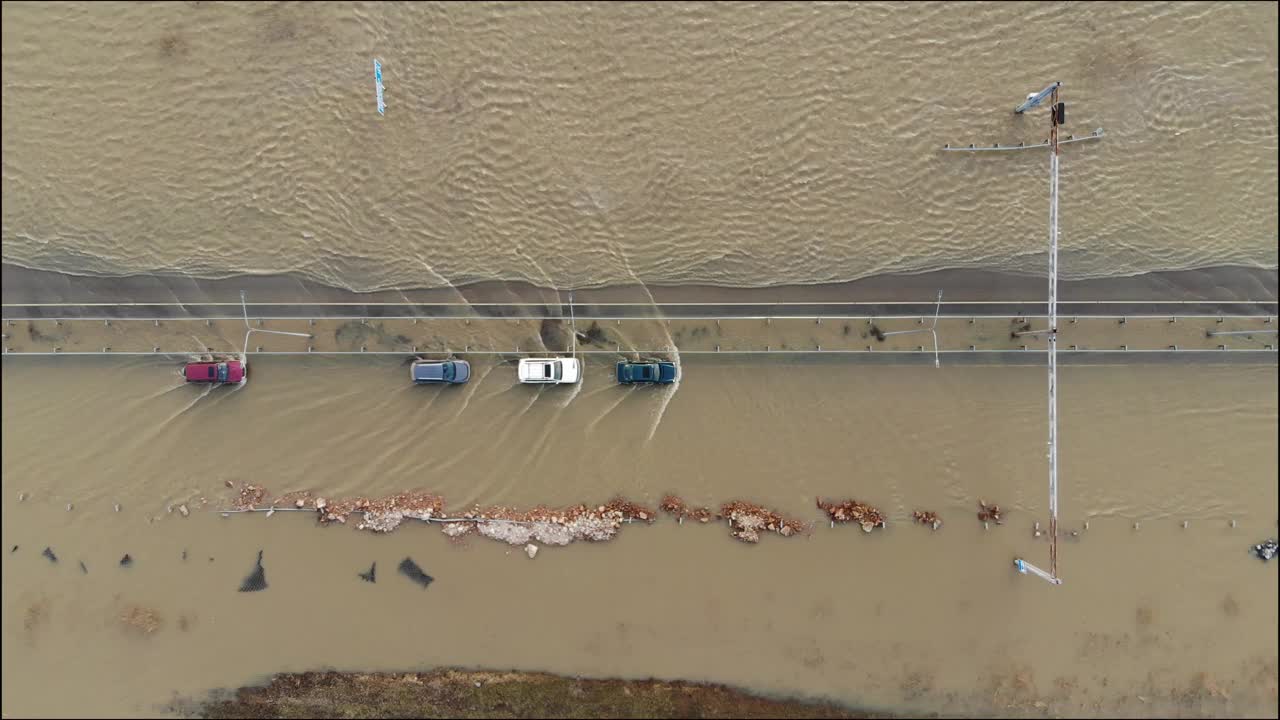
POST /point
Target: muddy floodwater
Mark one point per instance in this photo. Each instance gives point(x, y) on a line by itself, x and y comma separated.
point(178, 153)
point(905, 617)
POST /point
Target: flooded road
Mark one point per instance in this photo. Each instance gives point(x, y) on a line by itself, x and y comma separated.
point(710, 153)
point(902, 618)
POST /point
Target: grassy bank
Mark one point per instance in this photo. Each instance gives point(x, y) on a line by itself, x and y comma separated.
point(471, 694)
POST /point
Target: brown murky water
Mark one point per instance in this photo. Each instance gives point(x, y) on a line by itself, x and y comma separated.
point(574, 145)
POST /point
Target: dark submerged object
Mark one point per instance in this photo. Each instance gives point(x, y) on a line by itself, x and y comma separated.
point(126, 561)
point(83, 569)
point(13, 549)
point(256, 580)
point(1266, 550)
point(48, 552)
point(410, 569)
point(372, 575)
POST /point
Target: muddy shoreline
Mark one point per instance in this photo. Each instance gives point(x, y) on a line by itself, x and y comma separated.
point(454, 693)
point(1222, 283)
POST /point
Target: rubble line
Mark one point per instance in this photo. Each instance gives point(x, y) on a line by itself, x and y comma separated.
point(427, 520)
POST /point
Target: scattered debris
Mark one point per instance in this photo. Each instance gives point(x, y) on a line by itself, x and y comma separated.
point(13, 549)
point(514, 526)
point(126, 561)
point(250, 496)
point(853, 511)
point(1266, 549)
point(410, 569)
point(990, 512)
point(184, 555)
point(673, 505)
point(372, 575)
point(48, 552)
point(256, 580)
point(22, 496)
point(183, 509)
point(927, 517)
point(69, 506)
point(384, 514)
point(594, 334)
point(531, 550)
point(83, 569)
point(746, 520)
point(117, 507)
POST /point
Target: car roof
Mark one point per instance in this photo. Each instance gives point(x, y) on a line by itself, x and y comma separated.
point(425, 370)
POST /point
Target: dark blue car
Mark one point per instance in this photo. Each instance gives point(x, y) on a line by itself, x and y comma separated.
point(453, 372)
point(660, 372)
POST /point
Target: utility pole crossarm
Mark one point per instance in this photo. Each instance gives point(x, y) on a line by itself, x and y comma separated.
point(1035, 99)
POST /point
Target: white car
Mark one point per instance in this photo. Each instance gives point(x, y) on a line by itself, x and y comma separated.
point(555, 371)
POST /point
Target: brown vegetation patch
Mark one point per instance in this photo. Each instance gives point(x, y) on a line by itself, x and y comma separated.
point(475, 694)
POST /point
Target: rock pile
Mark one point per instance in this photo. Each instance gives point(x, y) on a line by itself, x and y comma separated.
point(382, 514)
point(250, 497)
point(747, 520)
point(853, 511)
point(548, 526)
point(927, 517)
point(674, 505)
point(990, 512)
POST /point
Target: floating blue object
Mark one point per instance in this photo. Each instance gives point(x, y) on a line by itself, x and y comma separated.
point(377, 81)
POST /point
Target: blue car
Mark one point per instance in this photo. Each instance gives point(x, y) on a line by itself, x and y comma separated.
point(661, 372)
point(427, 372)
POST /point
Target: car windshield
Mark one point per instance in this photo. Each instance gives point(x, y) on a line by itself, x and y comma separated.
point(211, 371)
point(448, 371)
